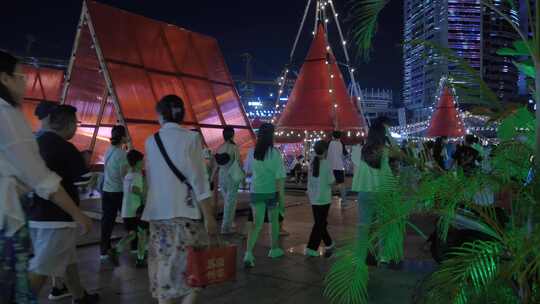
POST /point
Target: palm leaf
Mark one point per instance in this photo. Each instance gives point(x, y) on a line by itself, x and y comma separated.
point(365, 15)
point(346, 282)
point(469, 270)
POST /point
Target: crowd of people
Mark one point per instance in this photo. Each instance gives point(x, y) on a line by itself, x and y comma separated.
point(165, 195)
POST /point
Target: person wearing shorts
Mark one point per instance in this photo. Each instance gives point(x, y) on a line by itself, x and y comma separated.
point(52, 230)
point(268, 175)
point(132, 208)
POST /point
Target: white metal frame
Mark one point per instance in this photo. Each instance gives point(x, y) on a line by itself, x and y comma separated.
point(86, 20)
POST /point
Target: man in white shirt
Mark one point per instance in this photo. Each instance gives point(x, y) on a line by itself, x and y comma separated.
point(335, 157)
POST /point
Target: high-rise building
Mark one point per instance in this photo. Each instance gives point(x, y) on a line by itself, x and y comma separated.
point(498, 72)
point(471, 32)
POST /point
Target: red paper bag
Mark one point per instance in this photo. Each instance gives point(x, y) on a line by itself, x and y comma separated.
point(210, 265)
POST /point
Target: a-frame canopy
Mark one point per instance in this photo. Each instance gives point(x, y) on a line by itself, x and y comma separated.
point(123, 63)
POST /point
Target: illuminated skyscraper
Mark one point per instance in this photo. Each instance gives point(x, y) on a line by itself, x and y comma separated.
point(471, 32)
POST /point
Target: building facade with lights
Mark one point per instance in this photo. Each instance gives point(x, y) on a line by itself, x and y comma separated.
point(472, 32)
point(377, 103)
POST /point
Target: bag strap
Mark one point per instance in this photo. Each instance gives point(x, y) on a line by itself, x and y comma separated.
point(169, 162)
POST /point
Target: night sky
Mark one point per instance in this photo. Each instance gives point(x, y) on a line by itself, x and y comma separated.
point(266, 29)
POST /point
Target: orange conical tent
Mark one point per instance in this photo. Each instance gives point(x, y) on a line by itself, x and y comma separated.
point(445, 120)
point(319, 100)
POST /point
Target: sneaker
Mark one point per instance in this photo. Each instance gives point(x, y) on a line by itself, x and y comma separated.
point(59, 293)
point(87, 299)
point(311, 253)
point(329, 250)
point(249, 260)
point(276, 253)
point(113, 255)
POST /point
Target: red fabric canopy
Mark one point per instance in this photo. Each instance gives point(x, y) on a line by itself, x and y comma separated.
point(146, 60)
point(446, 121)
point(41, 84)
point(319, 100)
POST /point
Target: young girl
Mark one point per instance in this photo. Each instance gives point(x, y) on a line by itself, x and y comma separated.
point(132, 207)
point(268, 175)
point(319, 191)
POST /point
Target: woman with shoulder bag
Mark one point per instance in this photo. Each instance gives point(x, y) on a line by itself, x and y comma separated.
point(230, 177)
point(179, 202)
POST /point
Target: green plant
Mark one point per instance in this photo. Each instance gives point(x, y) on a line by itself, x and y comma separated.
point(504, 265)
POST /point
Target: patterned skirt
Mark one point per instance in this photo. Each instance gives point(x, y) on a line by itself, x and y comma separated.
point(14, 256)
point(167, 255)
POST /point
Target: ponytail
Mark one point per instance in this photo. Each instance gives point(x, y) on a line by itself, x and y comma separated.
point(320, 148)
point(316, 166)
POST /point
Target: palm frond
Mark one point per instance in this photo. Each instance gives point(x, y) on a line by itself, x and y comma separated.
point(365, 14)
point(346, 282)
point(469, 270)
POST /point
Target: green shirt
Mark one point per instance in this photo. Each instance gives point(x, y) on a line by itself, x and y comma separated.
point(368, 179)
point(267, 172)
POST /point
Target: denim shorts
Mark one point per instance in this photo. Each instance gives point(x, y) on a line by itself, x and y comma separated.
point(270, 199)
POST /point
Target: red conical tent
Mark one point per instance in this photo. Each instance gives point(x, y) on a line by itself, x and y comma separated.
point(445, 120)
point(319, 100)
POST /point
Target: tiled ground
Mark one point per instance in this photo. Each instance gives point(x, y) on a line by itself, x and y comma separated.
point(292, 279)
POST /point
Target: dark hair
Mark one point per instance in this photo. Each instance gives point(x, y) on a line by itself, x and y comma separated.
point(265, 141)
point(171, 107)
point(228, 134)
point(133, 157)
point(44, 109)
point(61, 116)
point(7, 65)
point(336, 134)
point(117, 133)
point(376, 139)
point(320, 147)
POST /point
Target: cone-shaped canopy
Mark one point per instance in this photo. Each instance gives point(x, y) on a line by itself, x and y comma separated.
point(319, 100)
point(446, 121)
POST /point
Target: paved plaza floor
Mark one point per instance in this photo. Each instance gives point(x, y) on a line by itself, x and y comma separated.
point(292, 279)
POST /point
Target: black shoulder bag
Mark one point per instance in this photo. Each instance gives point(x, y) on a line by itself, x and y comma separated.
point(174, 169)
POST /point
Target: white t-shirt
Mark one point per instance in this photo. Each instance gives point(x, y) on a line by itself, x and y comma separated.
point(319, 188)
point(131, 201)
point(335, 155)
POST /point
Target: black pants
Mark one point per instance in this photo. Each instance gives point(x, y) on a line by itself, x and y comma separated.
point(319, 232)
point(111, 204)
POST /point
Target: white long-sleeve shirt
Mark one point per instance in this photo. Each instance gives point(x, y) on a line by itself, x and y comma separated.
point(166, 198)
point(21, 166)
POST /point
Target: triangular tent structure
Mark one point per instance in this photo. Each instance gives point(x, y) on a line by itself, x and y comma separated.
point(319, 102)
point(123, 63)
point(42, 84)
point(446, 120)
